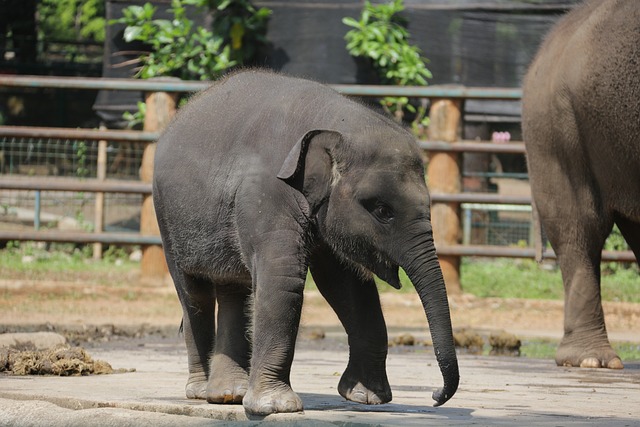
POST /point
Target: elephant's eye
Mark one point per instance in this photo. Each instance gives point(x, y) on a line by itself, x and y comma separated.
point(380, 211)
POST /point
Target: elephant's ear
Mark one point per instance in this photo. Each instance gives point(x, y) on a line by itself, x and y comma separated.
point(308, 166)
point(294, 164)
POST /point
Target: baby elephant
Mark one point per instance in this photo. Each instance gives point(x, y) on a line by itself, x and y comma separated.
point(262, 177)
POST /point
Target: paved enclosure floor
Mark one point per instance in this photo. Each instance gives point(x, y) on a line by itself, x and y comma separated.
point(493, 391)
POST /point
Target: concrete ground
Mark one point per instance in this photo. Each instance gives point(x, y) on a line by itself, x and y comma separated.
point(493, 391)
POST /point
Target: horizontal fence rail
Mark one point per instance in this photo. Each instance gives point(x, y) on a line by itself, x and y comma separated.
point(473, 147)
point(77, 134)
point(141, 136)
point(121, 186)
point(137, 239)
point(513, 252)
point(175, 85)
point(100, 83)
point(491, 198)
point(110, 238)
point(74, 184)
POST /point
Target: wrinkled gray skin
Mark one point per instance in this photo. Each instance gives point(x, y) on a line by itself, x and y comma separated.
point(260, 178)
point(581, 123)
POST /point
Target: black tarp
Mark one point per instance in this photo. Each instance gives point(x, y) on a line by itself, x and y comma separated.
point(469, 42)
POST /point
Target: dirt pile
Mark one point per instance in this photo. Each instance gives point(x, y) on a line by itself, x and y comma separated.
point(468, 340)
point(62, 360)
point(504, 344)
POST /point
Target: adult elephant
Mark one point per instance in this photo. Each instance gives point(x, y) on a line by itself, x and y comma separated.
point(264, 176)
point(581, 124)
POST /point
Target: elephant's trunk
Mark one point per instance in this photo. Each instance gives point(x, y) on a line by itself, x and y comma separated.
point(422, 267)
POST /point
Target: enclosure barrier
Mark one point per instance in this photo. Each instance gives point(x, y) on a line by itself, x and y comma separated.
point(443, 174)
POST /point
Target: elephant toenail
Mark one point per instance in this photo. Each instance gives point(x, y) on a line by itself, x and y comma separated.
point(615, 364)
point(590, 362)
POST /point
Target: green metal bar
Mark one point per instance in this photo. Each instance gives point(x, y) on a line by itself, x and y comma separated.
point(474, 146)
point(511, 252)
point(138, 187)
point(99, 83)
point(511, 175)
point(74, 184)
point(174, 85)
point(77, 134)
point(491, 198)
point(80, 237)
point(444, 91)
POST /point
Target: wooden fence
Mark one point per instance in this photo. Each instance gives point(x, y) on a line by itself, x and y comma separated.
point(444, 147)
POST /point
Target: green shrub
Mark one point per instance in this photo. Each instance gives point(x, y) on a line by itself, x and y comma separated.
point(71, 20)
point(380, 34)
point(177, 48)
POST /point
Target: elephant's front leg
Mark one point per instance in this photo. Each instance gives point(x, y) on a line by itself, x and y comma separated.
point(279, 276)
point(356, 302)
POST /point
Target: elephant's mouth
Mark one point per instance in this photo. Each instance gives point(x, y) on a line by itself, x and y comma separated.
point(386, 270)
point(390, 275)
point(368, 262)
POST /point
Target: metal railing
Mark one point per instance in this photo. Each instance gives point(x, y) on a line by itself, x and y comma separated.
point(175, 85)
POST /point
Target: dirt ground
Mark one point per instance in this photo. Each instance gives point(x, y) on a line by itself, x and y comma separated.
point(129, 307)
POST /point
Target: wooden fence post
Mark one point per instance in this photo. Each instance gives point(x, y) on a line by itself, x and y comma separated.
point(161, 107)
point(99, 211)
point(443, 176)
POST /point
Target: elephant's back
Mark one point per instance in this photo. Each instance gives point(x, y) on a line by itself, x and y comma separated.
point(585, 78)
point(581, 100)
point(251, 112)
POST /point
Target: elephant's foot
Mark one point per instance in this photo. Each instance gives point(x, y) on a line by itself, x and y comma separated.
point(196, 389)
point(274, 400)
point(370, 387)
point(587, 356)
point(226, 392)
point(228, 384)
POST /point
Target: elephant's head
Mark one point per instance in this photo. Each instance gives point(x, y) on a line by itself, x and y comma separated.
point(367, 193)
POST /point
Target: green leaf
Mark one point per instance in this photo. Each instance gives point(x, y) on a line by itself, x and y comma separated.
point(132, 33)
point(263, 13)
point(350, 22)
point(224, 4)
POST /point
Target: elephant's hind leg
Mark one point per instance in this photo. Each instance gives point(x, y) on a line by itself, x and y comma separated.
point(229, 370)
point(356, 302)
point(197, 297)
point(578, 241)
point(585, 342)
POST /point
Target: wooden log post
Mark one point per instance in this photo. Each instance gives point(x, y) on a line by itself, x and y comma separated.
point(444, 176)
point(161, 107)
point(99, 211)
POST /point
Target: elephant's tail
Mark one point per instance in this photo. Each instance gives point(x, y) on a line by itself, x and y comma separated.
point(538, 234)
